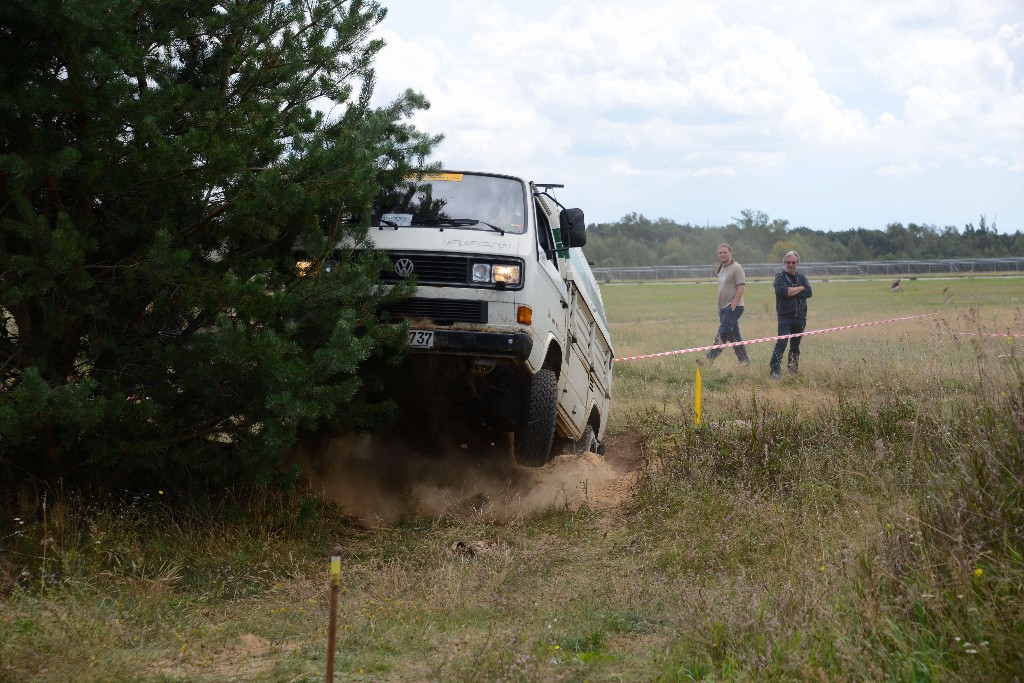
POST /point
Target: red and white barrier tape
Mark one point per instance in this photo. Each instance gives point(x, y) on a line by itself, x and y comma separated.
point(764, 339)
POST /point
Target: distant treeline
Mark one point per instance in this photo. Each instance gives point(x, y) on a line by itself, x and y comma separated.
point(755, 238)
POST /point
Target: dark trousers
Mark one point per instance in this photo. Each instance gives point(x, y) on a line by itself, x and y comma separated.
point(729, 331)
point(788, 326)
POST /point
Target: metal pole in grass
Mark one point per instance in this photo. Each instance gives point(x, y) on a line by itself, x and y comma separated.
point(332, 628)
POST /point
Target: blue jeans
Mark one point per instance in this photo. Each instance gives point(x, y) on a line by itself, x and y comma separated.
point(788, 326)
point(729, 331)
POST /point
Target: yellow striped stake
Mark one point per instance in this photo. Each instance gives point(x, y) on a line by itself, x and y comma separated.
point(696, 400)
point(335, 570)
point(332, 624)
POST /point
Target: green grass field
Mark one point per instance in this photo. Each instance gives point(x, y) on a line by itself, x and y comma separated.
point(861, 521)
point(653, 318)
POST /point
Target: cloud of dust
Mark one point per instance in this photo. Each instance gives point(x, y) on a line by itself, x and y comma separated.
point(379, 480)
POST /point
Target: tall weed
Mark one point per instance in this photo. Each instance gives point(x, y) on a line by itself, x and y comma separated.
point(910, 505)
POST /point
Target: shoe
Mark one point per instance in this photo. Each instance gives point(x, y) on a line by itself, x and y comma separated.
point(705, 362)
point(744, 363)
point(793, 364)
point(774, 374)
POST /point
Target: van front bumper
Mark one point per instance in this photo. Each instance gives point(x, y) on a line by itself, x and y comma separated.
point(467, 343)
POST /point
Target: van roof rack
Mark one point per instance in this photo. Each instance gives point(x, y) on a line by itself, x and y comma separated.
point(547, 186)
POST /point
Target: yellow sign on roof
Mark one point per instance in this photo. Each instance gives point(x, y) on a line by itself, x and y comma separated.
point(449, 177)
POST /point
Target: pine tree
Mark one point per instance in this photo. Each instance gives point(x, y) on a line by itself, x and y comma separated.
point(158, 161)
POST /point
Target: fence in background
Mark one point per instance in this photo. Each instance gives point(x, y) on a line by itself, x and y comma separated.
point(821, 270)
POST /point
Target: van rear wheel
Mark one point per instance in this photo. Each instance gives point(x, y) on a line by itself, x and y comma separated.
point(533, 439)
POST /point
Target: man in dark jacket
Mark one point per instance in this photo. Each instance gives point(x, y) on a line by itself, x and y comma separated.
point(792, 290)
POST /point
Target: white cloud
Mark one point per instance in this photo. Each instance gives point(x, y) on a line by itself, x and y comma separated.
point(619, 168)
point(754, 96)
point(714, 171)
point(900, 169)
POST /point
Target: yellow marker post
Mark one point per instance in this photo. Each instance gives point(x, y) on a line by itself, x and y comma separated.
point(696, 400)
point(335, 571)
point(332, 627)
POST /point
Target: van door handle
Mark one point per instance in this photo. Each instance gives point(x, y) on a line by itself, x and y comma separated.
point(564, 304)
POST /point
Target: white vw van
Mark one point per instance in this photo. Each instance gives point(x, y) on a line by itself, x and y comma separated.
point(507, 323)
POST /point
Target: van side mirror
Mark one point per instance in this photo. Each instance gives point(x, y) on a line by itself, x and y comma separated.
point(574, 226)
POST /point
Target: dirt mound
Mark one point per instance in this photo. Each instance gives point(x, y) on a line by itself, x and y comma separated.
point(380, 480)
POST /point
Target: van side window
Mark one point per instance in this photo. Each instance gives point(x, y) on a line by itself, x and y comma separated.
point(544, 235)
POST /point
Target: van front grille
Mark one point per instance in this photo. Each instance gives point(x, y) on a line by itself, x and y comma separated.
point(443, 270)
point(440, 311)
point(430, 269)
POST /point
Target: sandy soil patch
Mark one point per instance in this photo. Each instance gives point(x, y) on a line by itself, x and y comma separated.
point(379, 480)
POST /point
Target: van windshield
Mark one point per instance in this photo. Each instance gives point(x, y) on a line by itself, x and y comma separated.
point(454, 200)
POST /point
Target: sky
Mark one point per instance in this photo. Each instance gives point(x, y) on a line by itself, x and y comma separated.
point(830, 115)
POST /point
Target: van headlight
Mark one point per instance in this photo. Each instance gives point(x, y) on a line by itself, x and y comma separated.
point(306, 266)
point(508, 274)
point(494, 273)
point(481, 272)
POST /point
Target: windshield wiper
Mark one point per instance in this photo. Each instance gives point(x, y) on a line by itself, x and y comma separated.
point(454, 222)
point(492, 227)
point(459, 222)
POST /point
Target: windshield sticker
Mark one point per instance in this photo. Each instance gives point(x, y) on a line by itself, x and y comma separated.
point(449, 177)
point(398, 220)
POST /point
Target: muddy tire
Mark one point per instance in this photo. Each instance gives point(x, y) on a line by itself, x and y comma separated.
point(534, 437)
point(587, 443)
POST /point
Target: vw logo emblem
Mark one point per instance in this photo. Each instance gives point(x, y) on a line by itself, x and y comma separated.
point(404, 267)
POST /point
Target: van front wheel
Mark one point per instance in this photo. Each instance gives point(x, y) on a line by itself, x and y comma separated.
point(533, 439)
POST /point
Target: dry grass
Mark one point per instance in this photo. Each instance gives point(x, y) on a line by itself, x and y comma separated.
point(862, 521)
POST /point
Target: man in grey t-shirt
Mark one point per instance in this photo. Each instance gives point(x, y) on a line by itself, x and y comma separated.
point(731, 283)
